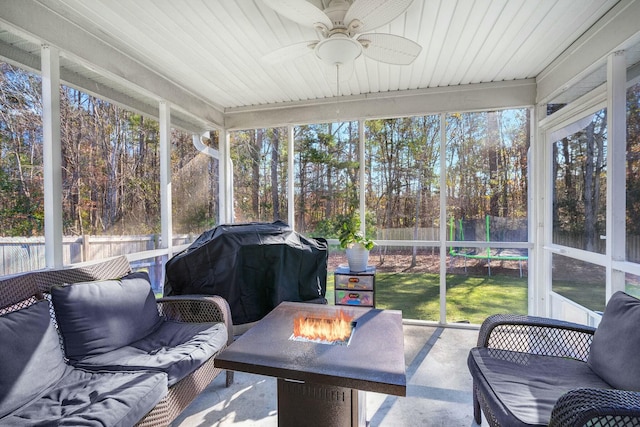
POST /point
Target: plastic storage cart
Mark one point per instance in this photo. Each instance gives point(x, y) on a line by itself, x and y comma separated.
point(353, 288)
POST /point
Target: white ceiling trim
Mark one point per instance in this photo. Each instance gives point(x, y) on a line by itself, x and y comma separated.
point(45, 26)
point(31, 62)
point(474, 97)
point(614, 31)
point(203, 56)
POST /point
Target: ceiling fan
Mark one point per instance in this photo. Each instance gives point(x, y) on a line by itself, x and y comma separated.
point(342, 29)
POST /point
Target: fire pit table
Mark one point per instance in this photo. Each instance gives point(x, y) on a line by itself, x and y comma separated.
point(319, 382)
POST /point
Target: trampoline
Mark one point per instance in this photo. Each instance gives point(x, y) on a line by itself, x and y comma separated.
point(499, 255)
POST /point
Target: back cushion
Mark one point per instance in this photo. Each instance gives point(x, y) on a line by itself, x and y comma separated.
point(616, 343)
point(31, 359)
point(97, 317)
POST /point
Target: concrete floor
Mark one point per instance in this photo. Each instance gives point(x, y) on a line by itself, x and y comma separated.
point(438, 389)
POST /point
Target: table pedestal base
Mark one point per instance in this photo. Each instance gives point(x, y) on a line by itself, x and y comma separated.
point(308, 404)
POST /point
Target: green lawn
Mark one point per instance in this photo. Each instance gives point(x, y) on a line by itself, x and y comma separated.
point(469, 298)
point(591, 296)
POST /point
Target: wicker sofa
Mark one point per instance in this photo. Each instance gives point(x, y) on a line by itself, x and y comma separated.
point(132, 384)
point(532, 371)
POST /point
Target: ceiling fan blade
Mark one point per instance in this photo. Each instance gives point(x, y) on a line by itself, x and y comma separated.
point(289, 53)
point(375, 13)
point(300, 11)
point(389, 48)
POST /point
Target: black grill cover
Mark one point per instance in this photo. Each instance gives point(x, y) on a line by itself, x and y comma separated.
point(253, 266)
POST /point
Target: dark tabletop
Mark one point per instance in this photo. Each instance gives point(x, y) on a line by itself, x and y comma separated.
point(373, 360)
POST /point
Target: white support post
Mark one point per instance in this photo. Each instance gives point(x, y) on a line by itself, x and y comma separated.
point(225, 198)
point(616, 168)
point(541, 226)
point(532, 215)
point(363, 176)
point(222, 181)
point(545, 200)
point(165, 176)
point(291, 211)
point(443, 219)
point(52, 153)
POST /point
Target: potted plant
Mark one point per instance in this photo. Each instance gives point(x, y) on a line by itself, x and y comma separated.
point(355, 243)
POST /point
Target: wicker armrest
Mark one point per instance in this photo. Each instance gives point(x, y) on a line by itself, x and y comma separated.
point(597, 407)
point(538, 335)
point(197, 308)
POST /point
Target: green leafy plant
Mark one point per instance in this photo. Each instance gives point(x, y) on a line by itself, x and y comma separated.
point(351, 235)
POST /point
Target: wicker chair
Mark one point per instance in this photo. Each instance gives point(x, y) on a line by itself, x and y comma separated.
point(524, 338)
point(22, 290)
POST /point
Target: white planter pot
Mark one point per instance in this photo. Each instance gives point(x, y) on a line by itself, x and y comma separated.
point(358, 258)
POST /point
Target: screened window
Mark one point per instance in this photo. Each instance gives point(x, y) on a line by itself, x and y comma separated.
point(633, 174)
point(194, 186)
point(21, 179)
point(259, 159)
point(579, 183)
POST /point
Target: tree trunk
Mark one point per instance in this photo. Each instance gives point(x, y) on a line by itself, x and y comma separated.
point(416, 224)
point(275, 160)
point(256, 148)
point(493, 145)
point(589, 176)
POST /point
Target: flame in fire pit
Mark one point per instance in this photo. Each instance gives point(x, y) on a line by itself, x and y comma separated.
point(323, 329)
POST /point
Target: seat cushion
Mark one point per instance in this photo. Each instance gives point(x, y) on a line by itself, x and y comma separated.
point(97, 317)
point(176, 348)
point(527, 385)
point(618, 330)
point(85, 398)
point(30, 356)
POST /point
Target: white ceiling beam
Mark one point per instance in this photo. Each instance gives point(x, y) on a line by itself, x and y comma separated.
point(45, 26)
point(475, 97)
point(30, 62)
point(20, 57)
point(614, 31)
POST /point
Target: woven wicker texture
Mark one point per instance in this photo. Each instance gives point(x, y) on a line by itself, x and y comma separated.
point(181, 395)
point(22, 290)
point(113, 268)
point(479, 401)
point(597, 407)
point(16, 289)
point(536, 335)
point(526, 335)
point(20, 305)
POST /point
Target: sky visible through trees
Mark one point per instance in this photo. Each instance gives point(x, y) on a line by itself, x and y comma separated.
point(111, 171)
point(486, 160)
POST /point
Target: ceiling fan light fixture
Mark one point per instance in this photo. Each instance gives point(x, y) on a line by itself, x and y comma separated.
point(338, 49)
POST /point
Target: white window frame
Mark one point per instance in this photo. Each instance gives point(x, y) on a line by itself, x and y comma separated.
point(612, 96)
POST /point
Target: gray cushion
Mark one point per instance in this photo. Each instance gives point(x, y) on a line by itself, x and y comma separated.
point(529, 385)
point(616, 343)
point(175, 348)
point(30, 356)
point(97, 317)
point(84, 398)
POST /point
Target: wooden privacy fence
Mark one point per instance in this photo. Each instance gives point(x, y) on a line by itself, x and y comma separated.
point(18, 254)
point(500, 230)
point(421, 233)
point(476, 232)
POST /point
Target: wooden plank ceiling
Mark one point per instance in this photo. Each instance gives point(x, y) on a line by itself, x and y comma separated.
point(212, 49)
